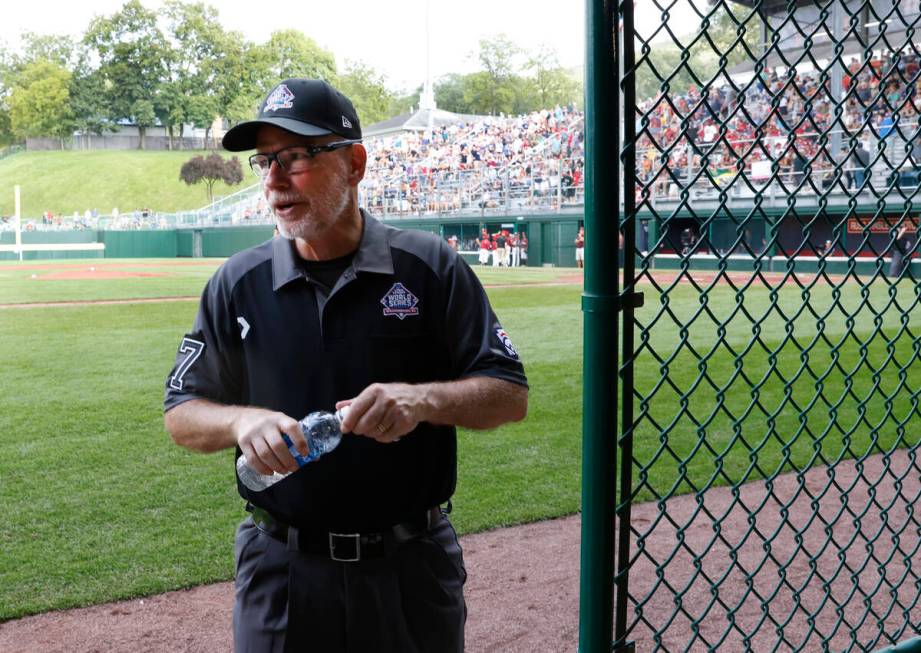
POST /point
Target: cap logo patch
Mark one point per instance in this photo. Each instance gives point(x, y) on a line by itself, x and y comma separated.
point(400, 302)
point(502, 335)
point(346, 122)
point(280, 98)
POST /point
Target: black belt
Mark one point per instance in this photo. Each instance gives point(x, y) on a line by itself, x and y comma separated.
point(345, 547)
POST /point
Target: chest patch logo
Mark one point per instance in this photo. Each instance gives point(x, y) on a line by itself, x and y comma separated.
point(502, 335)
point(244, 327)
point(280, 98)
point(400, 302)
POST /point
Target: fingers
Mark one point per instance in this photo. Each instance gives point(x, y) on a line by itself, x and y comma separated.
point(292, 428)
point(259, 435)
point(273, 454)
point(368, 411)
point(383, 411)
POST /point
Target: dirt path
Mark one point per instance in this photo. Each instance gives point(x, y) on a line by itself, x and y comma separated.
point(523, 585)
point(100, 302)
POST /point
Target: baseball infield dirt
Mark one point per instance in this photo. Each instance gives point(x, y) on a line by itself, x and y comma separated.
point(523, 585)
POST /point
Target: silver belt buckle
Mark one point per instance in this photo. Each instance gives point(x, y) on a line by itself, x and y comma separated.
point(356, 539)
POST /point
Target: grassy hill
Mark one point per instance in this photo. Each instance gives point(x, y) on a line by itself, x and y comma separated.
point(64, 182)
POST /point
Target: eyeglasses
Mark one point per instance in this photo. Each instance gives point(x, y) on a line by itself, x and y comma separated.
point(294, 159)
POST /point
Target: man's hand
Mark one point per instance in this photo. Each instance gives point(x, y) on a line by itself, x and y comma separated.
point(258, 432)
point(388, 411)
point(385, 411)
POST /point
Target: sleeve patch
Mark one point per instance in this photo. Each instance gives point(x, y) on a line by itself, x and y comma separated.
point(189, 351)
point(507, 342)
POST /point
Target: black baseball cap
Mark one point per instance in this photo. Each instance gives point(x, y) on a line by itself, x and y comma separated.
point(307, 107)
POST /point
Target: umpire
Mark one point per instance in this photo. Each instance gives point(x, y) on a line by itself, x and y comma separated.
point(901, 252)
point(353, 552)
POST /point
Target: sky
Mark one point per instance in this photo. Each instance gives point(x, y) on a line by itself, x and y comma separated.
point(388, 35)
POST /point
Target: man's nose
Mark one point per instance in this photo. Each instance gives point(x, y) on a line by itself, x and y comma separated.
point(275, 177)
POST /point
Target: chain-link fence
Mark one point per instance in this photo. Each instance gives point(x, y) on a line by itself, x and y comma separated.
point(770, 481)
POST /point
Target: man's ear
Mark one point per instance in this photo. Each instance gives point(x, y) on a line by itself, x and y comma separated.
point(357, 163)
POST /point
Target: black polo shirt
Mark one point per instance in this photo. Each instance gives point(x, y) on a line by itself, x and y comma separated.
point(407, 308)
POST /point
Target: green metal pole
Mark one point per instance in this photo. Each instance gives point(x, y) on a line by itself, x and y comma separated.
point(600, 355)
point(912, 645)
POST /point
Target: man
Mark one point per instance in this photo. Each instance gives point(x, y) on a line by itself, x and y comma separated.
point(507, 254)
point(352, 552)
point(580, 248)
point(687, 241)
point(901, 252)
point(861, 163)
point(485, 248)
point(499, 253)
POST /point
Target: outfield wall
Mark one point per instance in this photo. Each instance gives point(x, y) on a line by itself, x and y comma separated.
point(69, 238)
point(550, 240)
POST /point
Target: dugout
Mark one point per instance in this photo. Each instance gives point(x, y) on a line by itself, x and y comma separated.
point(864, 232)
point(550, 237)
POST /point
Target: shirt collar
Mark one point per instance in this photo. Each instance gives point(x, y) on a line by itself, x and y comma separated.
point(373, 254)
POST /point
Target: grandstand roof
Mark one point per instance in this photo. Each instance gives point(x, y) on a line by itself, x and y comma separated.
point(820, 52)
point(417, 121)
point(771, 7)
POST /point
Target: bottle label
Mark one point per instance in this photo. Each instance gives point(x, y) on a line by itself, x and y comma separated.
point(299, 458)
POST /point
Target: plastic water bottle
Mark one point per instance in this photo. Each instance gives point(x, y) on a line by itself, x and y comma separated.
point(323, 432)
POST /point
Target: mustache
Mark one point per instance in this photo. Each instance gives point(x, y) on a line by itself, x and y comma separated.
point(276, 198)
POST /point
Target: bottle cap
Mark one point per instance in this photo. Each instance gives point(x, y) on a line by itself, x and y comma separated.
point(342, 412)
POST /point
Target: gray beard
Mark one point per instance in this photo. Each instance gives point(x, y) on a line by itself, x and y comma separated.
point(283, 232)
point(304, 228)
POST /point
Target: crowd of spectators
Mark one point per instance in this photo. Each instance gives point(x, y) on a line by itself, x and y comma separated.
point(140, 219)
point(518, 162)
point(781, 119)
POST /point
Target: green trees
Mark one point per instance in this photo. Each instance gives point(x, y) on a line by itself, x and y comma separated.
point(198, 79)
point(551, 84)
point(728, 26)
point(6, 134)
point(367, 90)
point(178, 66)
point(35, 89)
point(287, 53)
point(495, 87)
point(509, 81)
point(133, 60)
point(39, 104)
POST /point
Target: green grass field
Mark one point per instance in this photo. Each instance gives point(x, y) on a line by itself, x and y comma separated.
point(98, 504)
point(102, 180)
point(32, 282)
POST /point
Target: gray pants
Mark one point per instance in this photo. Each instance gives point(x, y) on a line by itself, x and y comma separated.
point(409, 601)
point(896, 263)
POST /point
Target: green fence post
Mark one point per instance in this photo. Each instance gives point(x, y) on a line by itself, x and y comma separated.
point(912, 645)
point(600, 356)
